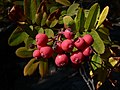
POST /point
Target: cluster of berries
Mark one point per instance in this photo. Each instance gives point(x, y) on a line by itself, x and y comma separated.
point(82, 45)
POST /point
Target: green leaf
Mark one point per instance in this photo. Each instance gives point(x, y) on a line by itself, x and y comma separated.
point(72, 10)
point(98, 44)
point(31, 67)
point(44, 18)
point(96, 61)
point(23, 52)
point(49, 33)
point(43, 68)
point(17, 37)
point(53, 23)
point(103, 16)
point(68, 21)
point(92, 17)
point(64, 2)
point(29, 41)
point(80, 20)
point(39, 29)
point(27, 8)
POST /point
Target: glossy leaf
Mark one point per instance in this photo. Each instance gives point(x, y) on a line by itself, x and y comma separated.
point(23, 52)
point(17, 37)
point(92, 17)
point(31, 67)
point(43, 68)
point(72, 10)
point(103, 16)
point(80, 20)
point(98, 44)
point(39, 29)
point(53, 23)
point(64, 2)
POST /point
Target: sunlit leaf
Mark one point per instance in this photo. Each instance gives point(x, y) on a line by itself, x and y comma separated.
point(72, 10)
point(31, 67)
point(44, 18)
point(103, 16)
point(112, 61)
point(39, 29)
point(98, 44)
point(17, 37)
point(49, 33)
point(23, 52)
point(92, 16)
point(53, 23)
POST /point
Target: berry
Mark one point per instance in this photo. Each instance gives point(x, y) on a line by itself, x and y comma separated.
point(88, 39)
point(67, 45)
point(36, 53)
point(58, 48)
point(46, 52)
point(41, 39)
point(68, 34)
point(61, 60)
point(39, 47)
point(87, 51)
point(77, 57)
point(80, 43)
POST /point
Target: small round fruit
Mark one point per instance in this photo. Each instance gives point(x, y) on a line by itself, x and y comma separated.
point(46, 52)
point(88, 39)
point(67, 45)
point(39, 47)
point(68, 34)
point(87, 51)
point(77, 57)
point(36, 53)
point(58, 48)
point(41, 39)
point(80, 43)
point(61, 60)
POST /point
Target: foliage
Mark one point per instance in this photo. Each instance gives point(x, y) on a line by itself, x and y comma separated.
point(52, 16)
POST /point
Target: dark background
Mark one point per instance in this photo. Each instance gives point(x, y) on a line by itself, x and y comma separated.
point(11, 66)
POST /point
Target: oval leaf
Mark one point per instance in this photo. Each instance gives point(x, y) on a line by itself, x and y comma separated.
point(72, 10)
point(103, 16)
point(23, 52)
point(49, 33)
point(98, 44)
point(92, 17)
point(17, 37)
point(31, 67)
point(64, 2)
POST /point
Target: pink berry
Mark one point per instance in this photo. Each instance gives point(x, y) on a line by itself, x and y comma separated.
point(58, 48)
point(68, 34)
point(87, 51)
point(36, 53)
point(88, 39)
point(80, 43)
point(67, 45)
point(39, 47)
point(41, 39)
point(61, 60)
point(46, 52)
point(77, 57)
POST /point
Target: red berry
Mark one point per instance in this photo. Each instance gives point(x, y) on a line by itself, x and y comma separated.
point(39, 47)
point(67, 45)
point(77, 57)
point(87, 51)
point(58, 48)
point(61, 60)
point(46, 52)
point(80, 43)
point(36, 53)
point(41, 39)
point(88, 39)
point(68, 34)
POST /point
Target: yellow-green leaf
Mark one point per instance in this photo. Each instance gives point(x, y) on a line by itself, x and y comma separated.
point(23, 52)
point(103, 16)
point(112, 61)
point(31, 67)
point(64, 2)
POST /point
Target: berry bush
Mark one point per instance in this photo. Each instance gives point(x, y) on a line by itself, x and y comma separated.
point(65, 34)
